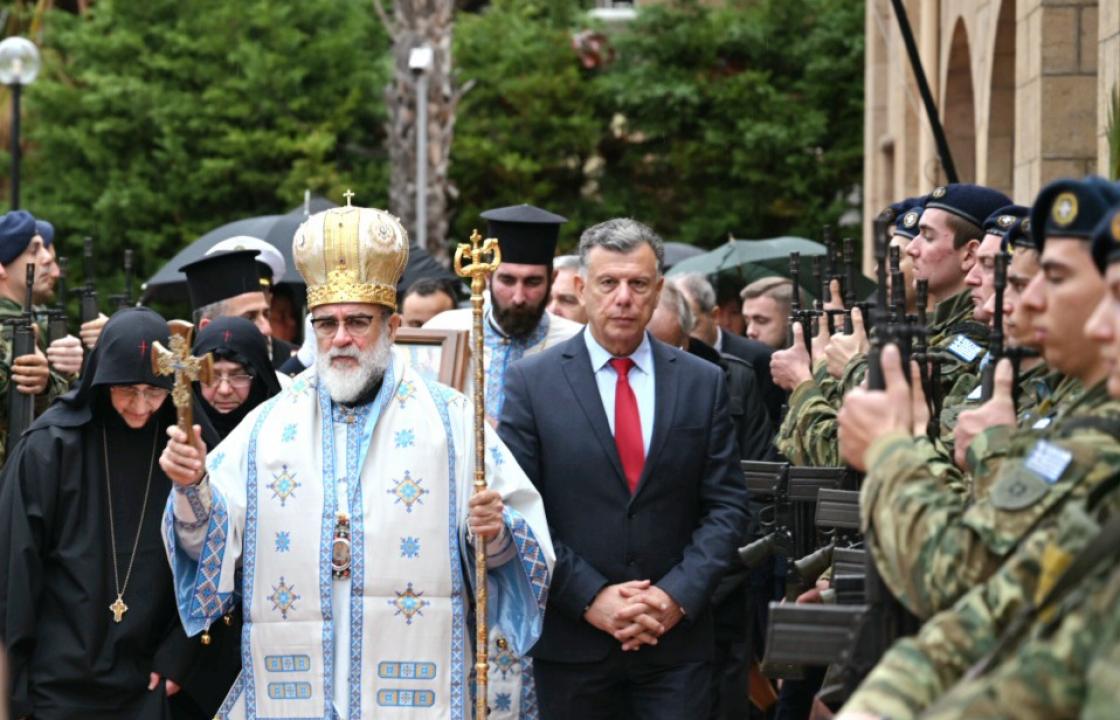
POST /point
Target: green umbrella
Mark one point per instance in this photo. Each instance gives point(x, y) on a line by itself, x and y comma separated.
point(744, 261)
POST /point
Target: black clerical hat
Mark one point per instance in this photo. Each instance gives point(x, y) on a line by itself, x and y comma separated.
point(221, 276)
point(526, 234)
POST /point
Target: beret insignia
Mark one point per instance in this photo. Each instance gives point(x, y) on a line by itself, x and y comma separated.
point(938, 192)
point(1064, 210)
point(910, 219)
point(1116, 227)
point(1004, 221)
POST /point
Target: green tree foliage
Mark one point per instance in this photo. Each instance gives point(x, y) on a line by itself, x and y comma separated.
point(156, 121)
point(743, 118)
point(530, 122)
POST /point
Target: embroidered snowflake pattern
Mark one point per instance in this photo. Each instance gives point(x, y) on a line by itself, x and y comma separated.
point(283, 541)
point(405, 438)
point(405, 391)
point(283, 598)
point(496, 456)
point(503, 702)
point(409, 603)
point(289, 433)
point(283, 485)
point(408, 491)
point(410, 547)
point(216, 462)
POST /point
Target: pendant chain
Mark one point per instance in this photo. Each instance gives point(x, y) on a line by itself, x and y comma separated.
point(118, 608)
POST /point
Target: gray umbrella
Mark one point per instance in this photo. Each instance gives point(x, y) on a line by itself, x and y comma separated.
point(677, 251)
point(169, 285)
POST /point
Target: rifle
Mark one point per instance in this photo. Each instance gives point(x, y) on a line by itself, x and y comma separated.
point(21, 407)
point(920, 326)
point(996, 350)
point(57, 325)
point(798, 314)
point(88, 291)
point(879, 312)
point(822, 292)
point(124, 299)
point(849, 285)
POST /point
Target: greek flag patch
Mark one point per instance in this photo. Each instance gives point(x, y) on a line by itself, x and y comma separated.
point(1048, 461)
point(965, 348)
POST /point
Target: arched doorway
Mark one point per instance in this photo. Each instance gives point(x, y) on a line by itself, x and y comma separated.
point(959, 105)
point(1001, 109)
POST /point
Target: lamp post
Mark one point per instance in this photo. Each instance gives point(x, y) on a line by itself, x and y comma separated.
point(19, 66)
point(420, 62)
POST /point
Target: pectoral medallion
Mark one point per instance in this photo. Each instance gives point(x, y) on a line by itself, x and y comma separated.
point(118, 608)
point(340, 548)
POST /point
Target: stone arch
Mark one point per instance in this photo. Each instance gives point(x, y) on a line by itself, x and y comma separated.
point(1001, 104)
point(959, 104)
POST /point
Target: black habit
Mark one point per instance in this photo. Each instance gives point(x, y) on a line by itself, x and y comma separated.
point(68, 657)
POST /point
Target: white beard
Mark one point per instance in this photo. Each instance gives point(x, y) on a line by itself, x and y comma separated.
point(346, 386)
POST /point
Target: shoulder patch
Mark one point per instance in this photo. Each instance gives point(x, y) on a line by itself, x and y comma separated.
point(1048, 461)
point(965, 348)
point(1017, 490)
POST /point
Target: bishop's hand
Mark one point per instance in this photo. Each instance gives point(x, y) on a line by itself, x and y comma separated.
point(184, 462)
point(485, 518)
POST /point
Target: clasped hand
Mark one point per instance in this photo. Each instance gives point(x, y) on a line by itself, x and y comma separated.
point(635, 613)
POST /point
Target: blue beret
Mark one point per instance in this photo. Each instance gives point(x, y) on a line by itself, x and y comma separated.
point(973, 203)
point(1072, 208)
point(907, 223)
point(16, 230)
point(1105, 240)
point(897, 209)
point(999, 222)
point(46, 231)
point(1018, 236)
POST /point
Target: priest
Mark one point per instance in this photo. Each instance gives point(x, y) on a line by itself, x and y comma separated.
point(340, 513)
point(87, 606)
point(517, 321)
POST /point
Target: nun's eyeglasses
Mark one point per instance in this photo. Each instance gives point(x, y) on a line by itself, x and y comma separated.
point(238, 381)
point(147, 393)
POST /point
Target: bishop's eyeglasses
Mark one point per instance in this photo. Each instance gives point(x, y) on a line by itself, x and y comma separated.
point(326, 327)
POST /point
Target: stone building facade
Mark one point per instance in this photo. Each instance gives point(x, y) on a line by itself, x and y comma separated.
point(1023, 88)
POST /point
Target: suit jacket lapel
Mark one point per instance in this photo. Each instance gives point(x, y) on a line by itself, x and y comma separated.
point(664, 407)
point(576, 365)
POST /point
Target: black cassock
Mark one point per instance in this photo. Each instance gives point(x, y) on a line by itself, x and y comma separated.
point(67, 656)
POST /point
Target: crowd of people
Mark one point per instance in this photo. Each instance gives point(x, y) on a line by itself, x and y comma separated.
point(305, 547)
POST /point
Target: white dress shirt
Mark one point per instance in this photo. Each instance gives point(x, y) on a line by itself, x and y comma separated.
point(641, 382)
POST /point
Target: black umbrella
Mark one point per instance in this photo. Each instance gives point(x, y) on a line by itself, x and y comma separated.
point(169, 285)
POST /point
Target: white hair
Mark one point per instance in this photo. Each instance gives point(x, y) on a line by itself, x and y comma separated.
point(346, 386)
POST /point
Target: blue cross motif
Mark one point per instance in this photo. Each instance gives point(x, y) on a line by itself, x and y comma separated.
point(410, 547)
point(405, 438)
point(289, 433)
point(283, 541)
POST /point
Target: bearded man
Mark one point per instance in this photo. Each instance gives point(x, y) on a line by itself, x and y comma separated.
point(339, 512)
point(517, 322)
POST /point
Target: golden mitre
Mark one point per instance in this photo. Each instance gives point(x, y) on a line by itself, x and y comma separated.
point(351, 255)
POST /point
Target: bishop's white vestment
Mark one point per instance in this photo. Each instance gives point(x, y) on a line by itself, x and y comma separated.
point(392, 637)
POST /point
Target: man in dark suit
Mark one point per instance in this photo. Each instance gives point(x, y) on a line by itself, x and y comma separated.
point(630, 443)
point(701, 297)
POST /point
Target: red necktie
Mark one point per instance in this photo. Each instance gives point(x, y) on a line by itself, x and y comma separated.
point(627, 424)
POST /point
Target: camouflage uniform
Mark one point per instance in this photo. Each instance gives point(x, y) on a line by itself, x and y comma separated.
point(1042, 669)
point(56, 384)
point(808, 434)
point(932, 540)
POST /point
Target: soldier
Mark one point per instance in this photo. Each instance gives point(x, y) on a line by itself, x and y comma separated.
point(943, 253)
point(1038, 639)
point(931, 542)
point(21, 244)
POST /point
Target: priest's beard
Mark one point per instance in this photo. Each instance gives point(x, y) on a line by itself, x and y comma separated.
point(518, 320)
point(349, 384)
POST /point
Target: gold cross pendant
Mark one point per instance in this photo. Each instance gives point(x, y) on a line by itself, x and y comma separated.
point(118, 608)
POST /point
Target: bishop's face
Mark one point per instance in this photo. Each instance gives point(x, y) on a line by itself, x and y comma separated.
point(354, 342)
